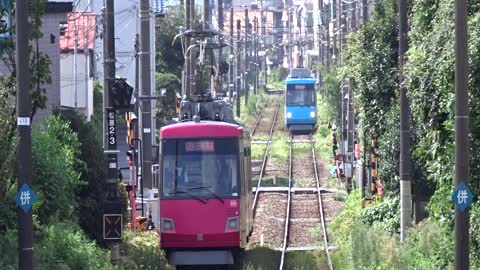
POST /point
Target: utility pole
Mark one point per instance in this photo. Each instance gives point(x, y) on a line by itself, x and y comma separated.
point(86, 53)
point(145, 86)
point(350, 133)
point(232, 53)
point(335, 29)
point(289, 39)
point(188, 70)
point(219, 8)
point(112, 203)
point(354, 15)
point(255, 49)
point(24, 148)
point(247, 61)
point(75, 45)
point(405, 176)
point(343, 26)
point(136, 108)
point(238, 84)
point(365, 10)
point(191, 56)
point(462, 225)
point(327, 31)
point(206, 14)
point(263, 20)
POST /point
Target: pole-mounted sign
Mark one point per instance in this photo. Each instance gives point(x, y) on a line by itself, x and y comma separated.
point(25, 198)
point(112, 226)
point(462, 197)
point(112, 129)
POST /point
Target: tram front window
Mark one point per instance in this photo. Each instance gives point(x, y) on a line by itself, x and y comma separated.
point(300, 95)
point(200, 168)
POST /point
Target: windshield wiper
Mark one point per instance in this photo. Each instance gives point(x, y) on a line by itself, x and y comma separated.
point(211, 192)
point(189, 194)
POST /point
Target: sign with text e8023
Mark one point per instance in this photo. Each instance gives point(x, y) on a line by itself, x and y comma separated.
point(112, 226)
point(112, 128)
point(462, 196)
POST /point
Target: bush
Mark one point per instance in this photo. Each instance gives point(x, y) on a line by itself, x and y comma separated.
point(8, 250)
point(384, 214)
point(57, 246)
point(65, 246)
point(141, 250)
point(54, 165)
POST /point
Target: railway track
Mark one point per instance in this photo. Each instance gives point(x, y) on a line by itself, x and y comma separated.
point(303, 210)
point(265, 155)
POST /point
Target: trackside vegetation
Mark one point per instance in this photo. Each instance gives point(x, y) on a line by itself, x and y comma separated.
point(368, 238)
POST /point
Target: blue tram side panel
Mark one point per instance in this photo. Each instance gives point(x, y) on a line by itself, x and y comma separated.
point(300, 104)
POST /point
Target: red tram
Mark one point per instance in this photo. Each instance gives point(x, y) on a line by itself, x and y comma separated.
point(205, 191)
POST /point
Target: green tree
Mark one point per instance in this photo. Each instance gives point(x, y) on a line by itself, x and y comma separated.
point(55, 164)
point(169, 54)
point(40, 75)
point(166, 105)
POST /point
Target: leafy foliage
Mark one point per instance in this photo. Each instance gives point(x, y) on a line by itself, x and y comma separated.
point(169, 55)
point(166, 109)
point(57, 246)
point(142, 251)
point(65, 246)
point(54, 160)
point(371, 59)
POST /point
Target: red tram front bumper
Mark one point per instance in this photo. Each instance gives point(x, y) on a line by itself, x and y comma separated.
point(188, 223)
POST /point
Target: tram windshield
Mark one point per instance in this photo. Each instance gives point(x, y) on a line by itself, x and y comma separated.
point(200, 168)
point(300, 95)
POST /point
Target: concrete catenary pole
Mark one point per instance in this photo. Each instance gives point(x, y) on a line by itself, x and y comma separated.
point(462, 225)
point(145, 90)
point(405, 167)
point(255, 49)
point(24, 150)
point(187, 74)
point(327, 35)
point(112, 204)
point(219, 11)
point(350, 132)
point(246, 58)
point(335, 29)
point(365, 10)
point(232, 53)
point(238, 84)
point(354, 15)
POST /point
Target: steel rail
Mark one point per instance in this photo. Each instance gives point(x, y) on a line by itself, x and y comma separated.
point(258, 119)
point(264, 162)
point(287, 218)
point(320, 205)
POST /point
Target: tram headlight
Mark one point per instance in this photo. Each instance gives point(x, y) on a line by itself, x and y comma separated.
point(289, 115)
point(167, 225)
point(312, 114)
point(233, 225)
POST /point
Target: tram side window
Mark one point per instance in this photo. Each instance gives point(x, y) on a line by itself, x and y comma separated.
point(300, 95)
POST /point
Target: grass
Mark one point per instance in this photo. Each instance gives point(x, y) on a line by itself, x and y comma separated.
point(279, 148)
point(262, 258)
point(257, 151)
point(272, 182)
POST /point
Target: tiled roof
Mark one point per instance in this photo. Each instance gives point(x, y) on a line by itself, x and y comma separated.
point(84, 24)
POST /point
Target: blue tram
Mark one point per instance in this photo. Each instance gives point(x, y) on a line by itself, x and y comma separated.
point(300, 104)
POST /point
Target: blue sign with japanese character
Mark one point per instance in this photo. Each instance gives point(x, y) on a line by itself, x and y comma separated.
point(462, 196)
point(25, 198)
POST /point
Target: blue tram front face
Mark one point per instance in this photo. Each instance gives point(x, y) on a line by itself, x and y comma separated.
point(300, 104)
